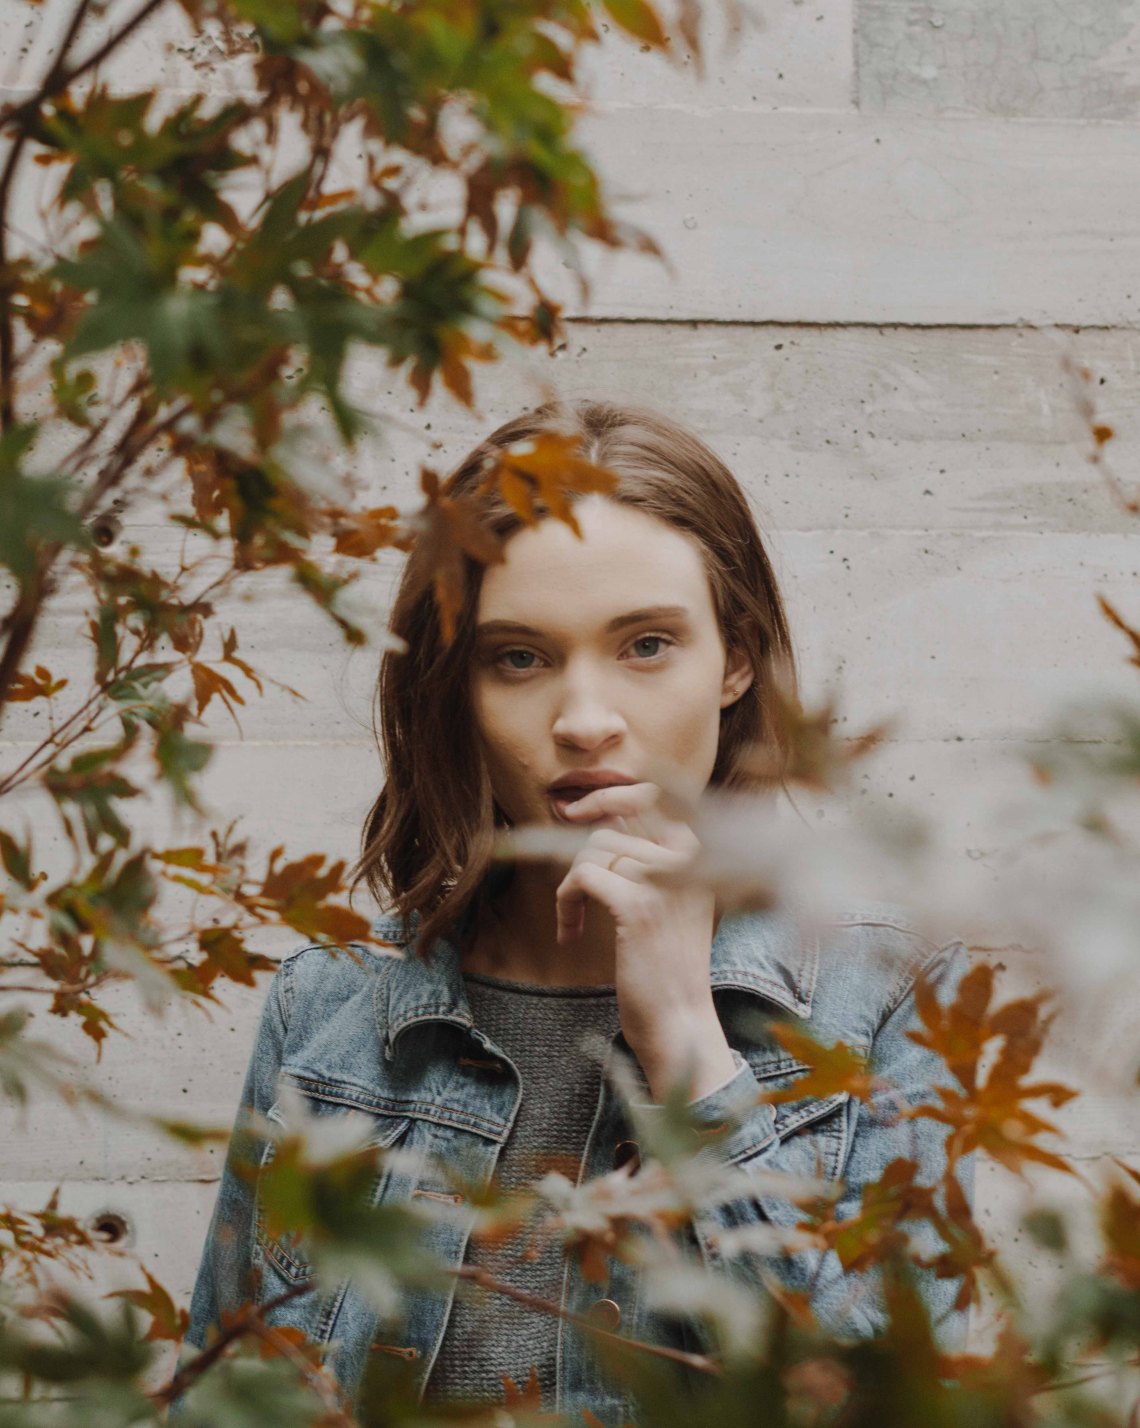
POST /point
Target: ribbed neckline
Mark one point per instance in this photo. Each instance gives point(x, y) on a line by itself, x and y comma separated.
point(503, 984)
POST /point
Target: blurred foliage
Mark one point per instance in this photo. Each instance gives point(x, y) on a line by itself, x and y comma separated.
point(207, 270)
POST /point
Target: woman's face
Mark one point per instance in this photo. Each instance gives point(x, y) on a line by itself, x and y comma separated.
point(574, 670)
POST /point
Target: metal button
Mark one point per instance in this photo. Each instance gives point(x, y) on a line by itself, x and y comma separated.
point(605, 1313)
point(627, 1152)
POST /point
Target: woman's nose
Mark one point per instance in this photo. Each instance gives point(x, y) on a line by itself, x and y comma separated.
point(585, 715)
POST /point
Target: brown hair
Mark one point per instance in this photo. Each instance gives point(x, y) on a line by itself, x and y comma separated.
point(426, 844)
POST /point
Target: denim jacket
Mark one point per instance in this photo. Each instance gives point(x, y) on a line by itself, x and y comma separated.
point(395, 1038)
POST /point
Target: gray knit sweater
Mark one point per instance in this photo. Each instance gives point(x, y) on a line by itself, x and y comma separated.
point(542, 1030)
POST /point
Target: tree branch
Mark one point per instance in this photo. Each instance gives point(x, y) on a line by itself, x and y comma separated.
point(480, 1276)
point(21, 620)
point(319, 1378)
point(244, 1323)
point(58, 79)
point(7, 341)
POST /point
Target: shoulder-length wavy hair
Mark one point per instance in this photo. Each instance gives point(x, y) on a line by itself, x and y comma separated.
point(427, 841)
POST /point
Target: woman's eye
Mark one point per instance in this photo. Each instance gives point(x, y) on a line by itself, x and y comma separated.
point(652, 639)
point(505, 659)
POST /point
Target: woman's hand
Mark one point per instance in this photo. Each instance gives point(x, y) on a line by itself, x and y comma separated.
point(663, 933)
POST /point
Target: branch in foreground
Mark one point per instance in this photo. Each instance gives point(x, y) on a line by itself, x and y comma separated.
point(248, 1321)
point(479, 1276)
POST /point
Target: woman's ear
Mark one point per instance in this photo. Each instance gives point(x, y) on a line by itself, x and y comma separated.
point(738, 675)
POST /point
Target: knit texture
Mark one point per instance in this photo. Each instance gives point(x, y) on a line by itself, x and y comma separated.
point(548, 1032)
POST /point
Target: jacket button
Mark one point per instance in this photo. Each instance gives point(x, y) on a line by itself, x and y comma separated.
point(627, 1152)
point(604, 1313)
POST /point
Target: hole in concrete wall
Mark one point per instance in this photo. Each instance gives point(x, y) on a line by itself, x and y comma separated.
point(112, 1227)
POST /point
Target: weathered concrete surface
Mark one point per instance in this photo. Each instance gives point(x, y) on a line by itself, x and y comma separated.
point(1019, 58)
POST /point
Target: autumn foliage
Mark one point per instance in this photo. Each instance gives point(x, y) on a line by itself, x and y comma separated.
point(187, 304)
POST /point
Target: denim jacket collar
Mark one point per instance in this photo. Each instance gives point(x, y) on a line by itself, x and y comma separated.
point(772, 954)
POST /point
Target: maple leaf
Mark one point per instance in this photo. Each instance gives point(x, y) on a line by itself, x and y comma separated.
point(95, 1021)
point(208, 682)
point(446, 528)
point(832, 1068)
point(167, 1320)
point(966, 1251)
point(545, 470)
point(363, 533)
point(989, 1114)
point(288, 1340)
point(224, 955)
point(229, 645)
point(874, 1230)
point(297, 892)
point(40, 685)
point(1011, 1374)
point(1120, 1227)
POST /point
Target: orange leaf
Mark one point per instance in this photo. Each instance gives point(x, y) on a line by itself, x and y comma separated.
point(167, 1320)
point(989, 1114)
point(546, 470)
point(833, 1068)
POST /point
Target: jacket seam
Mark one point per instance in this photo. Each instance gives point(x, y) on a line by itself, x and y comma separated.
point(285, 992)
point(913, 974)
point(882, 922)
point(344, 1094)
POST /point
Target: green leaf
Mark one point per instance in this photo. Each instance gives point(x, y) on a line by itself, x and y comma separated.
point(26, 1062)
point(17, 859)
point(93, 787)
point(179, 758)
point(103, 632)
point(140, 693)
point(1047, 1228)
point(87, 1348)
point(637, 18)
point(33, 509)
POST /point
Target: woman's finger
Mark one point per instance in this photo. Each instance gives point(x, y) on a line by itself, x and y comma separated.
point(635, 807)
point(589, 879)
point(640, 861)
point(605, 844)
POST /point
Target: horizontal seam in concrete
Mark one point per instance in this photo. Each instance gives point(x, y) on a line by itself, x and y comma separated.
point(855, 324)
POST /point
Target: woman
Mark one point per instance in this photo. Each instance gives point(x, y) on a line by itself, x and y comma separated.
point(587, 673)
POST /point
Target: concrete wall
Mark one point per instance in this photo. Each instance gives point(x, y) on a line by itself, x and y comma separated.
point(868, 207)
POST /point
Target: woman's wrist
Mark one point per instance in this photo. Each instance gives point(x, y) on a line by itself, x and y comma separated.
point(693, 1044)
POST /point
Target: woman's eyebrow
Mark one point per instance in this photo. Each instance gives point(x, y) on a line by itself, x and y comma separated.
point(632, 617)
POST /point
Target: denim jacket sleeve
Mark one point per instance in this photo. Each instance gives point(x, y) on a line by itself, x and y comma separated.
point(224, 1272)
point(847, 1303)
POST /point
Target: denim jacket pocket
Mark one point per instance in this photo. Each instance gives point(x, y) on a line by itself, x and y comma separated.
point(810, 1133)
point(813, 1135)
point(286, 1252)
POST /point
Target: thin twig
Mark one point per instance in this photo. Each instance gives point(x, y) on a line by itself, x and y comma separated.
point(58, 80)
point(1107, 1371)
point(66, 988)
point(480, 1276)
point(7, 177)
point(317, 1377)
point(241, 1325)
point(21, 621)
point(50, 748)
